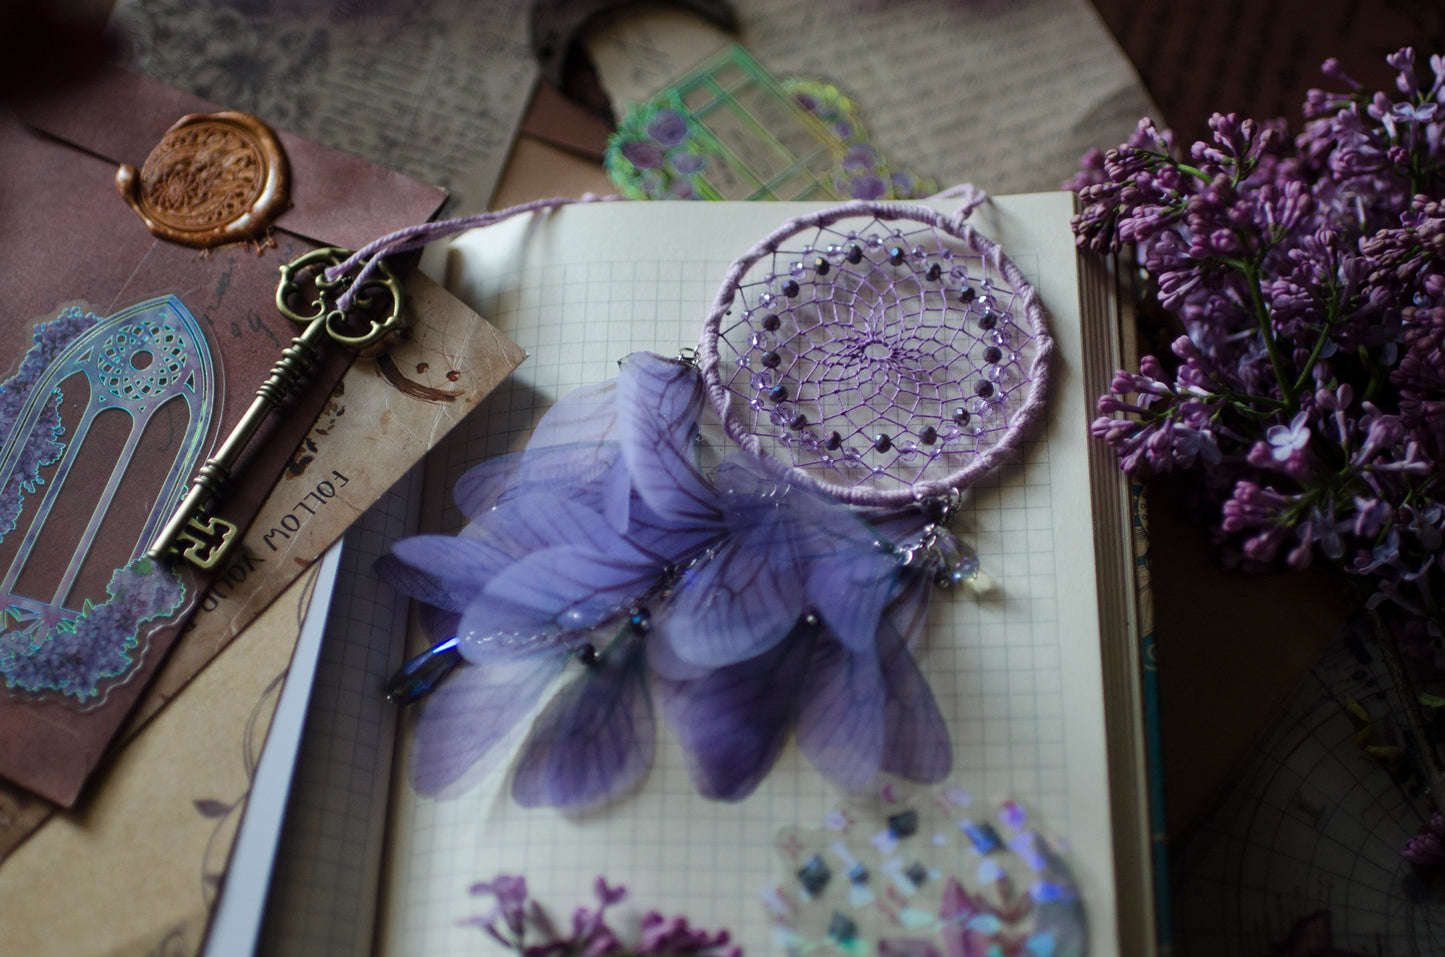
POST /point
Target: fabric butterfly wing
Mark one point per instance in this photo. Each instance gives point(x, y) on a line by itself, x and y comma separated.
point(916, 743)
point(733, 721)
point(464, 720)
point(594, 740)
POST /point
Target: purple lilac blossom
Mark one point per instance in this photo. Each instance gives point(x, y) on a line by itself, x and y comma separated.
point(524, 927)
point(752, 605)
point(43, 445)
point(1308, 275)
point(73, 656)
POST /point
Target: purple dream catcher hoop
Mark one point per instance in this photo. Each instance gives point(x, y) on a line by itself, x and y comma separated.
point(870, 360)
point(883, 352)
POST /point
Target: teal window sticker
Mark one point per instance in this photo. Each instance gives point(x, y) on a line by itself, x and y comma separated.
point(147, 375)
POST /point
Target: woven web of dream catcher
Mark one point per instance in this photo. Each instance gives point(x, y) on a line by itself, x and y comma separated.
point(881, 351)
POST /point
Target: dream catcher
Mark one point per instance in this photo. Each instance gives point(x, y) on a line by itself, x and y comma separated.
point(868, 362)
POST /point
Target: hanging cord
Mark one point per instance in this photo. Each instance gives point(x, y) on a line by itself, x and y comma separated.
point(369, 256)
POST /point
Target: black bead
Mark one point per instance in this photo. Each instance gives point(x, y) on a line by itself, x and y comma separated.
point(771, 359)
point(798, 422)
point(882, 442)
point(790, 289)
point(895, 255)
point(778, 393)
point(967, 294)
point(928, 436)
point(935, 509)
point(992, 354)
point(834, 443)
point(855, 254)
point(988, 320)
point(960, 416)
point(983, 388)
point(771, 322)
point(821, 266)
point(934, 271)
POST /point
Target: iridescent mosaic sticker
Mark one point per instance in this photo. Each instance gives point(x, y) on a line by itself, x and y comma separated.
point(925, 872)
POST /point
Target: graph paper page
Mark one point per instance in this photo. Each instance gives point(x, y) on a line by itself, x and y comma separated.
point(1015, 670)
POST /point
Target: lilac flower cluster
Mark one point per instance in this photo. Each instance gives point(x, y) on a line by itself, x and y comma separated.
point(74, 656)
point(516, 916)
point(1308, 386)
point(43, 444)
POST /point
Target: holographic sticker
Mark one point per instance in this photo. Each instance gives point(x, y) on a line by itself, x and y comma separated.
point(931, 873)
point(146, 376)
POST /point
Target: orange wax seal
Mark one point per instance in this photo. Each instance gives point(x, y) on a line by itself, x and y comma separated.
point(214, 178)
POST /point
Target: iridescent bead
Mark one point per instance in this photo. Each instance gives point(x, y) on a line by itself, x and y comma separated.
point(882, 442)
point(778, 393)
point(960, 416)
point(821, 266)
point(934, 271)
point(896, 255)
point(797, 422)
point(983, 388)
point(988, 320)
point(834, 442)
point(928, 435)
point(791, 289)
point(855, 254)
point(771, 322)
point(991, 354)
point(771, 359)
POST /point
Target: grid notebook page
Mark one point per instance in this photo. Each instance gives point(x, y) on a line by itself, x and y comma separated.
point(324, 890)
point(1016, 669)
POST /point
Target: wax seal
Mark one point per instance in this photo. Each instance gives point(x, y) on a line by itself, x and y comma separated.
point(214, 178)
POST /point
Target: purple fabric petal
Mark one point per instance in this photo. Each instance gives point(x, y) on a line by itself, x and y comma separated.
point(851, 590)
point(550, 596)
point(916, 743)
point(594, 741)
point(440, 570)
point(468, 715)
point(735, 604)
point(841, 726)
point(733, 721)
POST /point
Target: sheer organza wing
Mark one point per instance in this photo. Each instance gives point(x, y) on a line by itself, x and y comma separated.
point(463, 722)
point(841, 728)
point(739, 601)
point(441, 570)
point(594, 741)
point(916, 740)
point(733, 721)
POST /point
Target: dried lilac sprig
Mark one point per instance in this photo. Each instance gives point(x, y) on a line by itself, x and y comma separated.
point(1308, 387)
point(523, 926)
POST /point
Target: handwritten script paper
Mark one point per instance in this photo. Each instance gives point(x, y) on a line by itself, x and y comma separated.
point(434, 89)
point(1005, 94)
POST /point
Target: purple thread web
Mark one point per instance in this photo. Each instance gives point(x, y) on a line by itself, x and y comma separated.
point(909, 372)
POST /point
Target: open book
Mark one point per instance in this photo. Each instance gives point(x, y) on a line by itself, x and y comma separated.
point(1037, 674)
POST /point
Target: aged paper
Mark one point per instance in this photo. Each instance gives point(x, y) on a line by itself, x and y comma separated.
point(1005, 94)
point(136, 869)
point(434, 89)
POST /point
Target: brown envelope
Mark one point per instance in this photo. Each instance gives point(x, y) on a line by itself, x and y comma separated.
point(69, 515)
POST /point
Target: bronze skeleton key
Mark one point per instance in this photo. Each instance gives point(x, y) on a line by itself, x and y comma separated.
point(204, 539)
